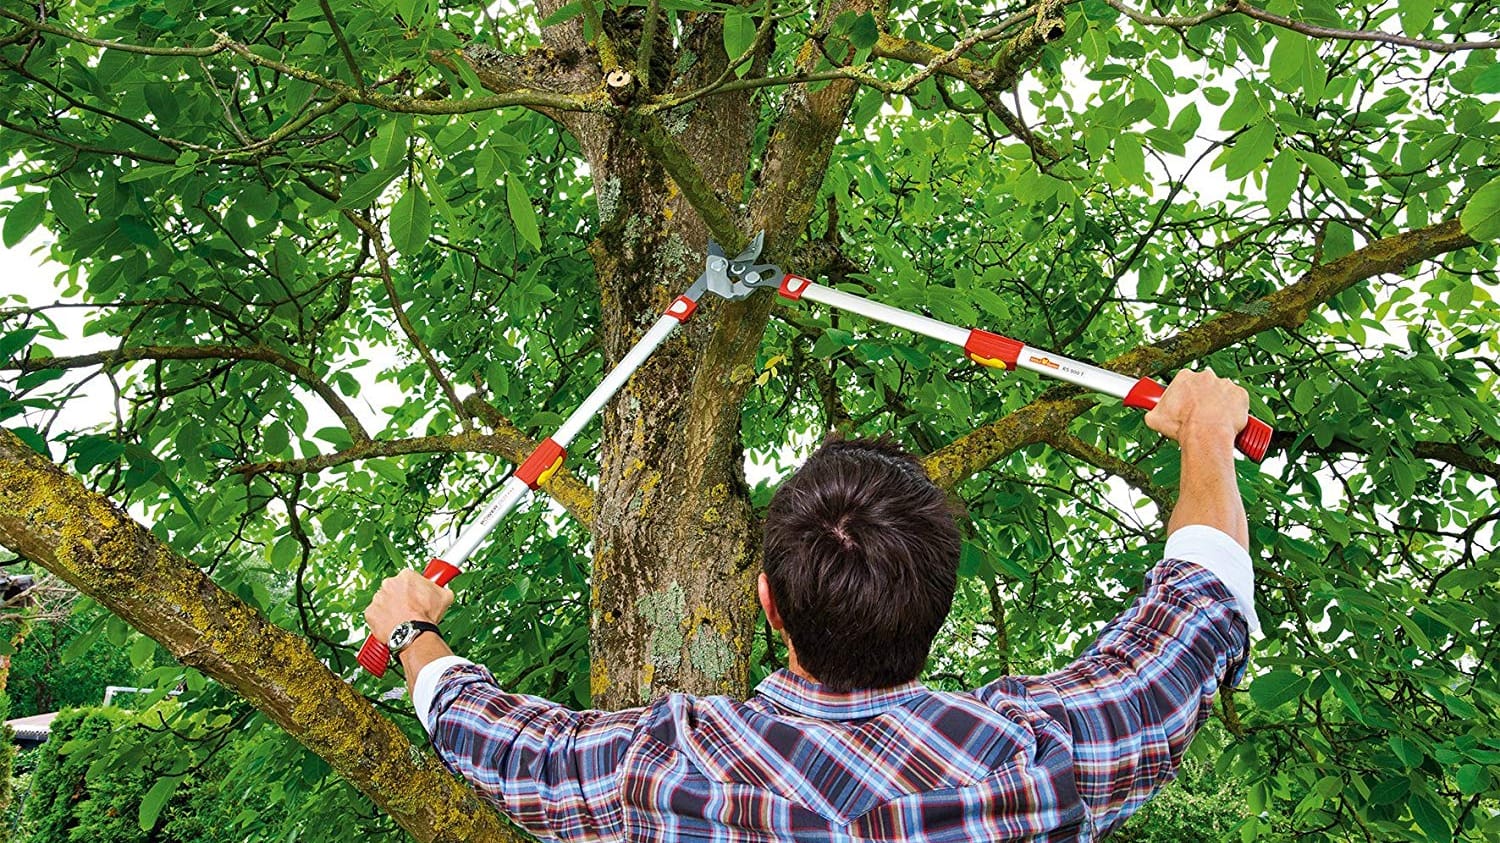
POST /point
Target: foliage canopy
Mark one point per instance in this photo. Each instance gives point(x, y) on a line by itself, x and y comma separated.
point(346, 262)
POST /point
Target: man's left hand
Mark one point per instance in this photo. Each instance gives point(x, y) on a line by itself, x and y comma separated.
point(406, 597)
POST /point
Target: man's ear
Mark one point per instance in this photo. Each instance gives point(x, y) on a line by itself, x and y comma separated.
point(768, 603)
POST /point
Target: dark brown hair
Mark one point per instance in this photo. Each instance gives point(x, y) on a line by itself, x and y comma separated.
point(861, 551)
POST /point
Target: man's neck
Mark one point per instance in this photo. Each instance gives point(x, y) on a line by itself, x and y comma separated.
point(796, 667)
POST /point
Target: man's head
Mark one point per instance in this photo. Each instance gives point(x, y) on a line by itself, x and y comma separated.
point(861, 560)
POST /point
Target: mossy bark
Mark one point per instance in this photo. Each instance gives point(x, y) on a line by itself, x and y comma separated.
point(50, 518)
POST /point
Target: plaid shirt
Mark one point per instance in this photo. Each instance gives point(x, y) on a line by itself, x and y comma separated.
point(1066, 756)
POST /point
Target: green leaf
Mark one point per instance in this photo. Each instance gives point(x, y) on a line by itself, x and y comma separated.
point(1111, 71)
point(1390, 790)
point(868, 107)
point(1245, 109)
point(826, 346)
point(411, 221)
point(176, 492)
point(141, 652)
point(1327, 173)
point(162, 102)
point(367, 188)
point(1429, 818)
point(739, 33)
point(156, 799)
point(564, 13)
point(1487, 82)
point(413, 11)
point(24, 216)
point(1288, 59)
point(1338, 240)
point(1185, 124)
point(1250, 150)
point(390, 144)
point(275, 439)
point(1130, 158)
point(34, 440)
point(1409, 753)
point(864, 33)
point(1472, 779)
point(138, 231)
point(521, 212)
point(15, 341)
point(286, 551)
point(1277, 688)
point(338, 437)
point(1281, 182)
point(1480, 218)
point(65, 206)
point(92, 451)
point(1417, 16)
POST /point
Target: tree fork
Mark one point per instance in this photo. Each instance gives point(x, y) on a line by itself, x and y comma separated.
point(50, 518)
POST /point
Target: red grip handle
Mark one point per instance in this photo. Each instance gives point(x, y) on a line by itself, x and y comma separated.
point(375, 656)
point(1252, 441)
point(440, 572)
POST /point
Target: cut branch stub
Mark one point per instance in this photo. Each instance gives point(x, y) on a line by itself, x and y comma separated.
point(621, 86)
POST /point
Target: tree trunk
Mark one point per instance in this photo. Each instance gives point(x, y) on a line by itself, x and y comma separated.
point(672, 603)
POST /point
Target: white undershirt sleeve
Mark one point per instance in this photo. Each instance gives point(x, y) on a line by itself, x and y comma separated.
point(425, 687)
point(1213, 549)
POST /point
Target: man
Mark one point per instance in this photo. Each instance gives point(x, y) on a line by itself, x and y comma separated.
point(861, 556)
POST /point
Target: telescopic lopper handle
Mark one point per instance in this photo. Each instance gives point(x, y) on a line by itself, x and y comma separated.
point(543, 462)
point(1252, 441)
point(375, 656)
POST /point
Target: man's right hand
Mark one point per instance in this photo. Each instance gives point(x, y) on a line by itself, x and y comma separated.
point(1203, 413)
point(1200, 405)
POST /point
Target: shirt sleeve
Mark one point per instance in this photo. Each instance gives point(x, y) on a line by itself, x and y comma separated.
point(552, 770)
point(1211, 548)
point(425, 688)
point(1133, 701)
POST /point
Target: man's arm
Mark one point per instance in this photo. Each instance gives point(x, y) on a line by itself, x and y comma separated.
point(551, 769)
point(1204, 413)
point(1131, 704)
point(409, 596)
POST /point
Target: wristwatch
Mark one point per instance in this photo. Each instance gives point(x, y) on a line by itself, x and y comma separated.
point(407, 632)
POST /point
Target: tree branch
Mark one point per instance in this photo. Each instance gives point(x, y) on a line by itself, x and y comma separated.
point(377, 240)
point(1071, 445)
point(338, 35)
point(1309, 29)
point(679, 164)
point(258, 353)
point(1457, 454)
point(1286, 308)
point(507, 442)
point(530, 97)
point(984, 80)
point(50, 518)
point(50, 29)
point(1017, 53)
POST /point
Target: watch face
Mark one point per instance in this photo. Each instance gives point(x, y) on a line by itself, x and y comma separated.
point(402, 635)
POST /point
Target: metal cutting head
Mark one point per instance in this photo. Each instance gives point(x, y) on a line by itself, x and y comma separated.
point(738, 278)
